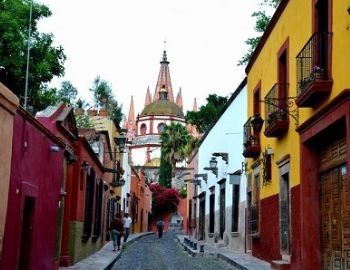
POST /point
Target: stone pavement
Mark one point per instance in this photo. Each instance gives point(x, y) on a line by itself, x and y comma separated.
point(236, 258)
point(105, 257)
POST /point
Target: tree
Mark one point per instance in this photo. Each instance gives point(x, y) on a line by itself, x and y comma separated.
point(174, 139)
point(164, 199)
point(103, 98)
point(67, 93)
point(207, 114)
point(45, 62)
point(165, 173)
point(102, 92)
point(261, 23)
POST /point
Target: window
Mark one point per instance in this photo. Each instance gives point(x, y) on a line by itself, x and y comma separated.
point(235, 207)
point(211, 210)
point(98, 210)
point(143, 129)
point(161, 127)
point(89, 205)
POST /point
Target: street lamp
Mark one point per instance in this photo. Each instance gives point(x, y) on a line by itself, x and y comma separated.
point(212, 166)
point(257, 123)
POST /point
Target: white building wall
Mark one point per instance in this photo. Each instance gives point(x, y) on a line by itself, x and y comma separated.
point(225, 136)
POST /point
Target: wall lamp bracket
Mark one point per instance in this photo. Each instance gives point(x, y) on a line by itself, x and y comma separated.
point(224, 156)
point(202, 175)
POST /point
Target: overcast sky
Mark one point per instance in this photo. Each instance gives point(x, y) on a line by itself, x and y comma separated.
point(123, 41)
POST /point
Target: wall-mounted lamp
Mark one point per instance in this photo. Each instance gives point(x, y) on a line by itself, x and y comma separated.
point(85, 165)
point(269, 150)
point(202, 175)
point(221, 154)
point(121, 140)
point(257, 123)
point(54, 149)
point(212, 166)
point(194, 181)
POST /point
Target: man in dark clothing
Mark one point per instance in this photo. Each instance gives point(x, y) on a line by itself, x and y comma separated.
point(160, 226)
point(116, 228)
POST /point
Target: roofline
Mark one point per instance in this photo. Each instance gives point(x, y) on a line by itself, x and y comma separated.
point(266, 34)
point(228, 103)
point(30, 118)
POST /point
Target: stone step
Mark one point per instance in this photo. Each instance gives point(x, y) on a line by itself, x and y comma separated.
point(280, 265)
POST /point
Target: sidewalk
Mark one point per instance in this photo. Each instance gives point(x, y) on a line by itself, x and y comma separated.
point(105, 257)
point(236, 258)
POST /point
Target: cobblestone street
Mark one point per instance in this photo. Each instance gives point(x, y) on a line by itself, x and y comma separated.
point(150, 252)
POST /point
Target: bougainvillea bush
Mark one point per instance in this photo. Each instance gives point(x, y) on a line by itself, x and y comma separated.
point(165, 200)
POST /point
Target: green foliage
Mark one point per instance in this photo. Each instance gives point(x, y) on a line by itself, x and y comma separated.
point(83, 121)
point(43, 98)
point(207, 114)
point(46, 60)
point(102, 92)
point(67, 93)
point(261, 23)
point(174, 139)
point(164, 172)
point(183, 192)
point(103, 98)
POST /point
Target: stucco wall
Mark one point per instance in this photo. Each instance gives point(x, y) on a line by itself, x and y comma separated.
point(8, 105)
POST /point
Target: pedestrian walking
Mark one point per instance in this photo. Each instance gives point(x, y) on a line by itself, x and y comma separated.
point(116, 228)
point(127, 224)
point(160, 226)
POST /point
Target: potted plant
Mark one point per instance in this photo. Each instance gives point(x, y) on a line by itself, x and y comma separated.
point(318, 72)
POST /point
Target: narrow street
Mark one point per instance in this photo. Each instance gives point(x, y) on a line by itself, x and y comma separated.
point(150, 252)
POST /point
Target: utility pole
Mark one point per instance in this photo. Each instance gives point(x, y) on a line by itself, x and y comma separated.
point(28, 52)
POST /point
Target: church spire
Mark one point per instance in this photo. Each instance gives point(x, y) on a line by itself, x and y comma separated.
point(195, 105)
point(179, 99)
point(148, 99)
point(131, 123)
point(164, 79)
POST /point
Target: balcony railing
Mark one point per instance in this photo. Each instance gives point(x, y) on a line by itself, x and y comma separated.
point(276, 110)
point(251, 141)
point(313, 70)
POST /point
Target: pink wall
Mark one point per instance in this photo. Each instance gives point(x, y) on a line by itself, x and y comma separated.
point(36, 172)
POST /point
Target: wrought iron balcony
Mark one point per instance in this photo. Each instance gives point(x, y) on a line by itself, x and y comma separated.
point(251, 140)
point(277, 106)
point(313, 70)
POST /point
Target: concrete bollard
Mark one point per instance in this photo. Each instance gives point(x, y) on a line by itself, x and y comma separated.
point(194, 246)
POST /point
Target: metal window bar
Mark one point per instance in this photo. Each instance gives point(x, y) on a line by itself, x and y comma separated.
point(277, 104)
point(249, 138)
point(312, 61)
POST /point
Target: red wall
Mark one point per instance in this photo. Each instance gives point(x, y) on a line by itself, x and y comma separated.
point(266, 247)
point(35, 172)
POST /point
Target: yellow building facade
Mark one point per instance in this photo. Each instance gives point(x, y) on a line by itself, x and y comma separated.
point(297, 163)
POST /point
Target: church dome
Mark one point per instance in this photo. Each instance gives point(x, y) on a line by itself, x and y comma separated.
point(162, 107)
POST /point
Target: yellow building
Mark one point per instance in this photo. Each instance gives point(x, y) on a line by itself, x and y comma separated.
point(298, 201)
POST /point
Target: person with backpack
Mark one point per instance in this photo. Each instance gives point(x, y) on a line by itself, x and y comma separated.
point(160, 226)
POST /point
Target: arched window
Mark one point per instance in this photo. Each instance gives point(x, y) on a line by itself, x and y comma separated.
point(161, 127)
point(143, 129)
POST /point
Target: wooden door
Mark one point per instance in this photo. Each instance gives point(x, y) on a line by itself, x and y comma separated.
point(202, 219)
point(335, 221)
